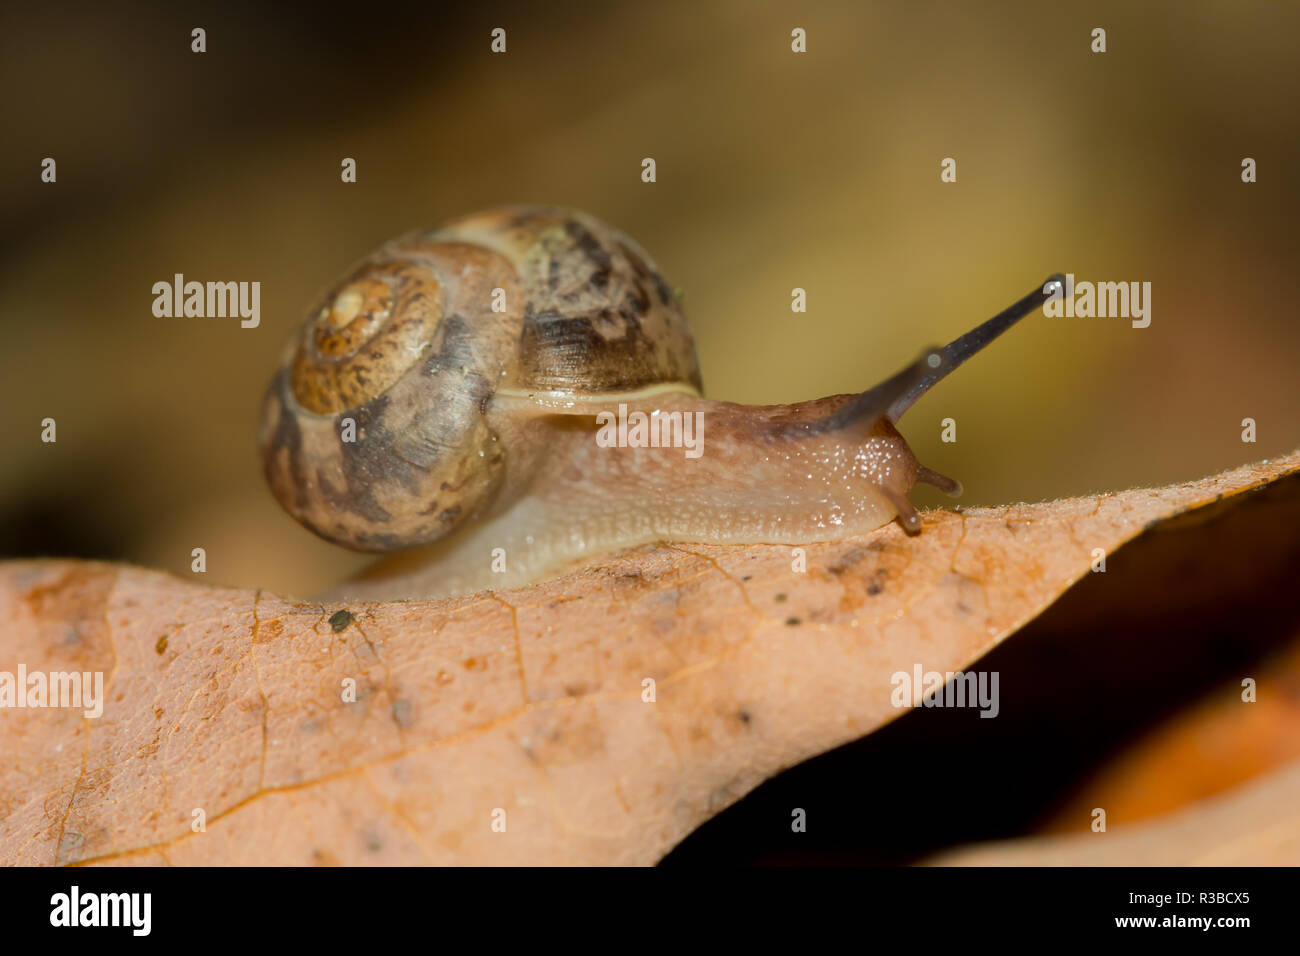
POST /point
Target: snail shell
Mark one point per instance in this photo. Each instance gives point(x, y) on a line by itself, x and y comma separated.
point(409, 348)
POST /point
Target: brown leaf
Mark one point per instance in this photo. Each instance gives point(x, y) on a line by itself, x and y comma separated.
point(1201, 750)
point(1255, 825)
point(229, 702)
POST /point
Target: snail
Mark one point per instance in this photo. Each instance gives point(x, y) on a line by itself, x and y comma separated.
point(445, 399)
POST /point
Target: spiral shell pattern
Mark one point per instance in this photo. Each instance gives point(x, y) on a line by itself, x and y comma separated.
point(374, 430)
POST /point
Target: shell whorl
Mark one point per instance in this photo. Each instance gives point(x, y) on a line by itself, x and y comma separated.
point(409, 349)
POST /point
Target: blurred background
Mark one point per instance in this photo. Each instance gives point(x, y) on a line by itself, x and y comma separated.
point(775, 170)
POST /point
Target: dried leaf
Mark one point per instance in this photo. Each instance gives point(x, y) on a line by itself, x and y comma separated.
point(1255, 825)
point(1207, 748)
point(526, 706)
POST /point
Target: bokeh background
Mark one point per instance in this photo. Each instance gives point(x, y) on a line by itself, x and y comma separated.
point(775, 170)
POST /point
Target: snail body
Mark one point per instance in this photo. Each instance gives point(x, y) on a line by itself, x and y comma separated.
point(445, 401)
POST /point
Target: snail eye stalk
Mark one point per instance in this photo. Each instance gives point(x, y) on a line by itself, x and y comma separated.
point(964, 346)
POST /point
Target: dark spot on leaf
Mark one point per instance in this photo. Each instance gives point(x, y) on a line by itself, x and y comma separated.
point(779, 598)
point(402, 712)
point(161, 645)
point(340, 620)
point(720, 797)
point(744, 716)
point(792, 621)
point(847, 560)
